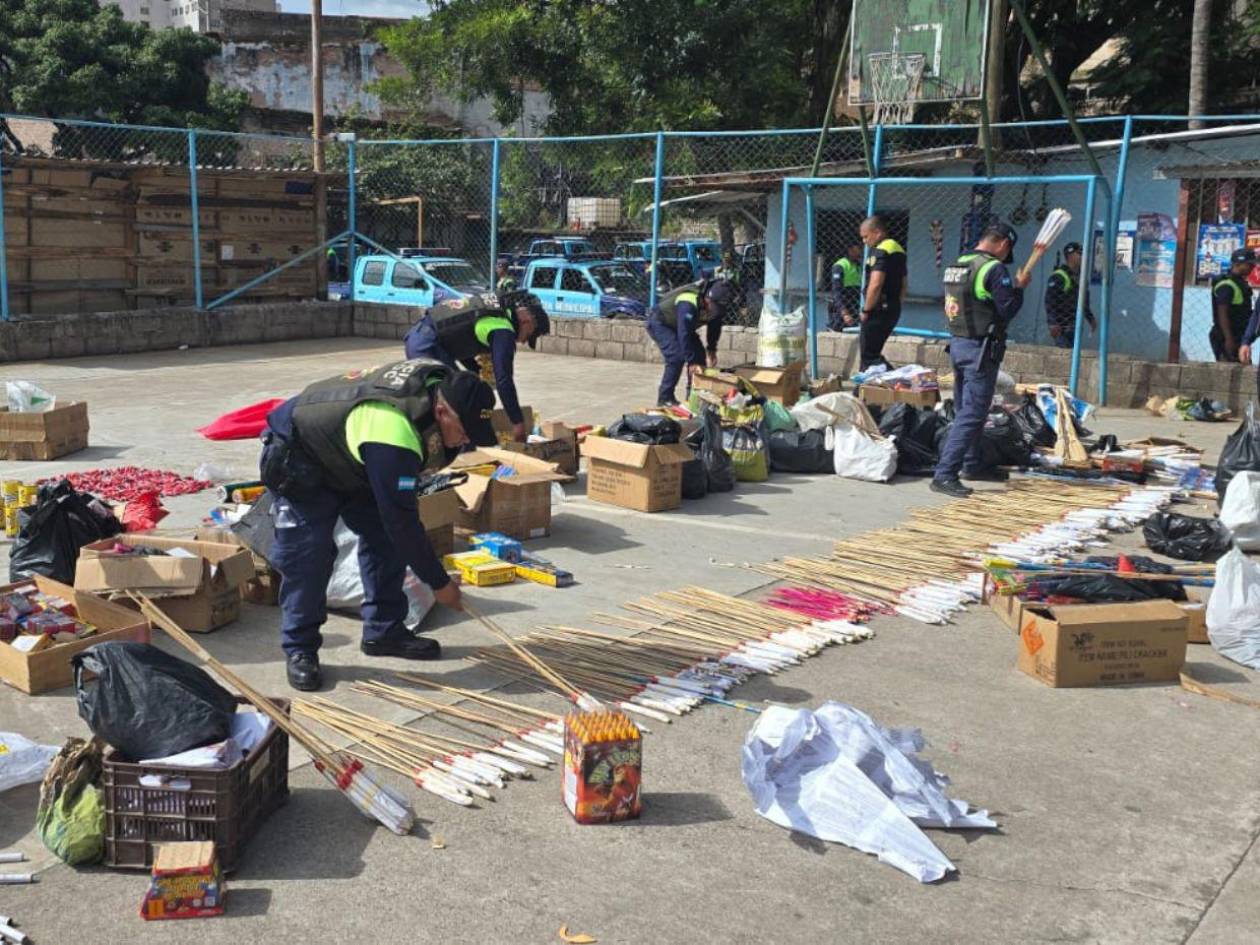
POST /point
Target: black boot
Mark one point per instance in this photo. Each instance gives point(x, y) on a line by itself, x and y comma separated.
point(986, 475)
point(401, 642)
point(303, 671)
point(951, 487)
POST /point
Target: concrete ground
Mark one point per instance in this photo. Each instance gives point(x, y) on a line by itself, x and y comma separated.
point(1127, 814)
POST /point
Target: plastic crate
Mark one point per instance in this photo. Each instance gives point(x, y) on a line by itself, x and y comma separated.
point(225, 805)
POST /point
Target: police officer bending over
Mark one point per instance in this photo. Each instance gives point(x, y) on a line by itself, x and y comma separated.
point(353, 447)
point(459, 331)
point(673, 323)
point(1231, 306)
point(981, 298)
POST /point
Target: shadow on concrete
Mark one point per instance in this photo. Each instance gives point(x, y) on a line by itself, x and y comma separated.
point(17, 816)
point(808, 843)
point(1214, 673)
point(94, 454)
point(595, 536)
point(246, 903)
point(316, 835)
point(678, 809)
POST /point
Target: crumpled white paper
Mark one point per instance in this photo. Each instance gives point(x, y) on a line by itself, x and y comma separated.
point(837, 775)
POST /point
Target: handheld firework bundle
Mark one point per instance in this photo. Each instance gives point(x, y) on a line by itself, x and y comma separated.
point(1056, 222)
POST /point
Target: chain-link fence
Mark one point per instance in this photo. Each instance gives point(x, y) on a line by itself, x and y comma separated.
point(101, 217)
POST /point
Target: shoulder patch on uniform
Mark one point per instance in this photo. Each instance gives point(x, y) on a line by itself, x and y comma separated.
point(406, 483)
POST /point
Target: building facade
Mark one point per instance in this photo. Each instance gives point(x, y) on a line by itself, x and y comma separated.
point(200, 16)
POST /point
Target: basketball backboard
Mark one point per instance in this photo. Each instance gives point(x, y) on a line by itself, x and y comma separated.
point(936, 49)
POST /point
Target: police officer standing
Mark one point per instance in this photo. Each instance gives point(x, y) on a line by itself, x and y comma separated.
point(673, 324)
point(981, 299)
point(846, 289)
point(885, 289)
point(1061, 297)
point(504, 280)
point(353, 447)
point(458, 331)
point(1250, 333)
point(1231, 306)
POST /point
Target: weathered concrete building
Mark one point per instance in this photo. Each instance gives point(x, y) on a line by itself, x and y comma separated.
point(200, 16)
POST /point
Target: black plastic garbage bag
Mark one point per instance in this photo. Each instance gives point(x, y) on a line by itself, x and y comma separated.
point(918, 436)
point(257, 528)
point(1186, 537)
point(52, 531)
point(147, 703)
point(695, 480)
point(1141, 562)
point(1032, 423)
point(796, 452)
point(717, 462)
point(648, 429)
point(1241, 452)
point(1110, 589)
point(1003, 443)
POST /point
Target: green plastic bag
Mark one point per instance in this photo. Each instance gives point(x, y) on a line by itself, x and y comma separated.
point(778, 418)
point(750, 455)
point(71, 814)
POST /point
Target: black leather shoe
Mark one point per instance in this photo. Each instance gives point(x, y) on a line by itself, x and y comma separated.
point(404, 644)
point(951, 487)
point(303, 672)
point(987, 475)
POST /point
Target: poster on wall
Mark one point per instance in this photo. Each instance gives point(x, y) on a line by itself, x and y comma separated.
point(1253, 244)
point(1156, 250)
point(1225, 201)
point(1099, 257)
point(1125, 238)
point(1216, 243)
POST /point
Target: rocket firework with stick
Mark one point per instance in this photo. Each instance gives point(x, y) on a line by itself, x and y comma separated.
point(347, 774)
point(1056, 222)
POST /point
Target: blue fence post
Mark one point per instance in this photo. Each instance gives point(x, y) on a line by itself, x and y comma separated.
point(352, 219)
point(657, 186)
point(494, 211)
point(813, 283)
point(195, 204)
point(877, 153)
point(4, 259)
point(1082, 295)
point(784, 219)
point(1109, 270)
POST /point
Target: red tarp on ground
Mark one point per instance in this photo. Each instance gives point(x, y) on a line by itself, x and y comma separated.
point(244, 424)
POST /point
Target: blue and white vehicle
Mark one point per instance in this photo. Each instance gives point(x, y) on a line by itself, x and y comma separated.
point(701, 256)
point(598, 289)
point(421, 280)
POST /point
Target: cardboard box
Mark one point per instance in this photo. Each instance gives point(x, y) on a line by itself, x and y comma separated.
point(831, 384)
point(264, 587)
point(519, 506)
point(1103, 644)
point(49, 668)
point(775, 383)
point(561, 453)
point(442, 539)
point(57, 432)
point(186, 883)
point(200, 593)
point(1008, 607)
point(635, 476)
point(877, 396)
point(714, 382)
point(503, 426)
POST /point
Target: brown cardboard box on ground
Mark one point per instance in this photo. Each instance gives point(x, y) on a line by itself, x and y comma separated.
point(633, 475)
point(831, 384)
point(876, 396)
point(201, 593)
point(503, 426)
point(1196, 614)
point(715, 382)
point(49, 668)
point(519, 506)
point(1102, 644)
point(264, 587)
point(775, 383)
point(559, 447)
point(438, 514)
point(57, 432)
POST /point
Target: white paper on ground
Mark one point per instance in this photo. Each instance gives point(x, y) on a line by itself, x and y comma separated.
point(248, 730)
point(836, 775)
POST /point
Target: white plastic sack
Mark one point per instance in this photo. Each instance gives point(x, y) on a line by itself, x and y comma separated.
point(819, 413)
point(780, 338)
point(25, 397)
point(837, 775)
point(1233, 610)
point(22, 761)
point(345, 587)
point(1240, 512)
point(861, 456)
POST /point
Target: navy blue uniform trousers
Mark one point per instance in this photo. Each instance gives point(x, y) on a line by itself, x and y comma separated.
point(677, 356)
point(976, 362)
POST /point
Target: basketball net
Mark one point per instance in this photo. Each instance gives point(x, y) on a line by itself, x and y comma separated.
point(895, 83)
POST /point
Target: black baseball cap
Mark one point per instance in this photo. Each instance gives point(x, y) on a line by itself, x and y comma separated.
point(1243, 256)
point(721, 294)
point(542, 321)
point(1002, 231)
point(473, 400)
point(1071, 248)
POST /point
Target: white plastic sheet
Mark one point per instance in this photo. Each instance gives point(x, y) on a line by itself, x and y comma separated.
point(345, 587)
point(831, 409)
point(861, 456)
point(1233, 610)
point(25, 397)
point(837, 775)
point(1240, 512)
point(248, 731)
point(22, 761)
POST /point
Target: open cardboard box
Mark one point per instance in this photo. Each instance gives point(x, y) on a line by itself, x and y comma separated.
point(264, 587)
point(634, 475)
point(201, 593)
point(519, 506)
point(49, 668)
point(775, 383)
point(57, 432)
point(1102, 644)
point(438, 514)
point(877, 396)
point(558, 446)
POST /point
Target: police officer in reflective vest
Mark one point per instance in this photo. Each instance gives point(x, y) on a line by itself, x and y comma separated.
point(673, 323)
point(1231, 306)
point(846, 289)
point(981, 298)
point(885, 289)
point(1062, 292)
point(1249, 336)
point(353, 447)
point(504, 281)
point(458, 331)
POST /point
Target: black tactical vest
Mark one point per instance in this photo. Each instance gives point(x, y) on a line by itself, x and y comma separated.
point(969, 307)
point(1240, 303)
point(455, 323)
point(668, 306)
point(319, 415)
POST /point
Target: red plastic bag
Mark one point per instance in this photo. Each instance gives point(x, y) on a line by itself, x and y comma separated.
point(143, 512)
point(244, 424)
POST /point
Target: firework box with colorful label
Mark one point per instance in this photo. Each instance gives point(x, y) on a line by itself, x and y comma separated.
point(513, 498)
point(499, 545)
point(186, 882)
point(48, 435)
point(603, 767)
point(541, 571)
point(480, 568)
point(40, 662)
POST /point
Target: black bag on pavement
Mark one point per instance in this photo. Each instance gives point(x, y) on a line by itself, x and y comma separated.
point(147, 703)
point(53, 530)
point(917, 434)
point(1186, 537)
point(717, 463)
point(648, 429)
point(1003, 443)
point(796, 452)
point(695, 480)
point(1111, 589)
point(1032, 423)
point(1241, 452)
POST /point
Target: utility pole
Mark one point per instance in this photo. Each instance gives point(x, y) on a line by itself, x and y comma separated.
point(317, 83)
point(999, 15)
point(1200, 52)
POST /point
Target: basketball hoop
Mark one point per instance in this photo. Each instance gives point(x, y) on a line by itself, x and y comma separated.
point(895, 83)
